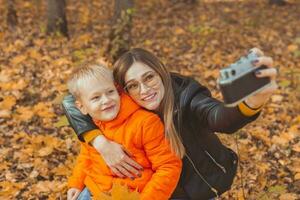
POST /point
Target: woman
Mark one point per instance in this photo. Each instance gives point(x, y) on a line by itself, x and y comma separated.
point(188, 111)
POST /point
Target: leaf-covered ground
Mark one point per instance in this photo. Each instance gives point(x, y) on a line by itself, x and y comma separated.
point(37, 149)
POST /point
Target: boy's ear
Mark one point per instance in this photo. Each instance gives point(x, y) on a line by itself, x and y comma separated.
point(80, 106)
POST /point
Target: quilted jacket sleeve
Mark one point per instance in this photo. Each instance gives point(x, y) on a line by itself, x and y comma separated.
point(80, 123)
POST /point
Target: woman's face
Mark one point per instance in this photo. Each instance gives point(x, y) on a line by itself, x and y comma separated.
point(144, 86)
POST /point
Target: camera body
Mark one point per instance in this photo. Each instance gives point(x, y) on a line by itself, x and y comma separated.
point(238, 81)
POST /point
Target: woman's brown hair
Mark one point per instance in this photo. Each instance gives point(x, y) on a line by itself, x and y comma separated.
point(166, 107)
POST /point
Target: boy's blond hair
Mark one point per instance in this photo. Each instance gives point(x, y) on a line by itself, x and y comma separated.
point(86, 72)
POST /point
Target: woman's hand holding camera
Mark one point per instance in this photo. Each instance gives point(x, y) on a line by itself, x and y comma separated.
point(258, 100)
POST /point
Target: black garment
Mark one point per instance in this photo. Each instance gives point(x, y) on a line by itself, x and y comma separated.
point(208, 167)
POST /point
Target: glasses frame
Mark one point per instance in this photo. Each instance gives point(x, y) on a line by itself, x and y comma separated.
point(156, 76)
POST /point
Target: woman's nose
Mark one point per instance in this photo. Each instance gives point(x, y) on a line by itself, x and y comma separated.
point(144, 88)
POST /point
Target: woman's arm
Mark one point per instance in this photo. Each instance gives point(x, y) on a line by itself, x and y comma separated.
point(227, 119)
point(114, 154)
point(81, 124)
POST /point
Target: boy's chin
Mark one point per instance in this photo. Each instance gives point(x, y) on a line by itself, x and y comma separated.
point(107, 118)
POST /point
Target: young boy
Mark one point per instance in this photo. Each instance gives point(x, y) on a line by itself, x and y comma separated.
point(123, 121)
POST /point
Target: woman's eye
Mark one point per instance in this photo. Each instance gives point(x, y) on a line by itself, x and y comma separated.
point(149, 77)
point(132, 86)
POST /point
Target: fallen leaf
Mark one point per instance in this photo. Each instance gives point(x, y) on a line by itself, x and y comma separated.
point(8, 102)
point(24, 113)
point(288, 196)
point(292, 47)
point(18, 59)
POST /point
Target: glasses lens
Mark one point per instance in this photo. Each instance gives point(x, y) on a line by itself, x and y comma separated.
point(150, 79)
point(132, 88)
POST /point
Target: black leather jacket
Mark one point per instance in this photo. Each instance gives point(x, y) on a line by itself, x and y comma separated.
point(208, 167)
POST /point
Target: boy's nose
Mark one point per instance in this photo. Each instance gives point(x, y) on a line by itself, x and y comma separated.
point(105, 99)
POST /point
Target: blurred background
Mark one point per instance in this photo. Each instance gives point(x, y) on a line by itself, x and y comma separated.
point(42, 41)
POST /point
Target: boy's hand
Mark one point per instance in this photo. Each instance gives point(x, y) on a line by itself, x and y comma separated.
point(116, 158)
point(73, 193)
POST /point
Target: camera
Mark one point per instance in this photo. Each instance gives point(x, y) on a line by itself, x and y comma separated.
point(238, 80)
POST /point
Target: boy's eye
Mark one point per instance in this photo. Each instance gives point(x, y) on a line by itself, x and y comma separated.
point(111, 91)
point(95, 97)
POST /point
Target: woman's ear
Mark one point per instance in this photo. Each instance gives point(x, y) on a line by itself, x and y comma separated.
point(80, 106)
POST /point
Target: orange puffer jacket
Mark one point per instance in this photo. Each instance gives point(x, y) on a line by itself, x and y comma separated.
point(142, 134)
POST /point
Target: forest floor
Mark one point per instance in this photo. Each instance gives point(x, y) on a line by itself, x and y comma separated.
point(37, 147)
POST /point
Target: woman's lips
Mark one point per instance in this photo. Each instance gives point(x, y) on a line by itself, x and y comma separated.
point(149, 97)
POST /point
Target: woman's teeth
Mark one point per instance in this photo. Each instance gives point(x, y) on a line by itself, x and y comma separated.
point(150, 97)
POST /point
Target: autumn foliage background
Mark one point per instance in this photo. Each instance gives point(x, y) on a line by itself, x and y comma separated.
point(38, 149)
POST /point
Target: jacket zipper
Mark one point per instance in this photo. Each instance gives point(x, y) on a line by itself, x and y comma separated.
point(214, 190)
point(218, 164)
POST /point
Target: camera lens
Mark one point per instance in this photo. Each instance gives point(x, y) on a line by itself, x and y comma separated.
point(233, 72)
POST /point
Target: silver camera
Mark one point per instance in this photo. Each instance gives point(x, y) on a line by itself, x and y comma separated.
point(238, 80)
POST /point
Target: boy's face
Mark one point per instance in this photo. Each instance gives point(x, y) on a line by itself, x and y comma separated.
point(99, 99)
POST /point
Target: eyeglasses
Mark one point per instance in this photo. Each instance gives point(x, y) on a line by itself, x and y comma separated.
point(149, 79)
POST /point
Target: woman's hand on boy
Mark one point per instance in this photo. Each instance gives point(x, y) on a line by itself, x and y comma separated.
point(117, 158)
point(73, 193)
point(263, 96)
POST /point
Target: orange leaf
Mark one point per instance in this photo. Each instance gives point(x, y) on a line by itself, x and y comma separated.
point(288, 196)
point(24, 113)
point(43, 110)
point(292, 48)
point(18, 59)
point(179, 31)
point(8, 102)
point(45, 151)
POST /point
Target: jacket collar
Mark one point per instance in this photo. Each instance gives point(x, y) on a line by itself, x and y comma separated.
point(127, 108)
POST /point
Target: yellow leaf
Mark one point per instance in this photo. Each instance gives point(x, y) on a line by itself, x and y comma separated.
point(292, 48)
point(7, 103)
point(288, 196)
point(48, 186)
point(63, 121)
point(83, 39)
point(43, 110)
point(24, 113)
point(261, 134)
point(277, 98)
point(21, 84)
point(18, 59)
point(119, 191)
point(296, 147)
point(61, 170)
point(240, 195)
point(45, 151)
point(297, 176)
point(4, 165)
point(5, 113)
point(179, 31)
point(10, 189)
point(35, 54)
point(39, 42)
point(148, 42)
point(279, 140)
point(60, 62)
